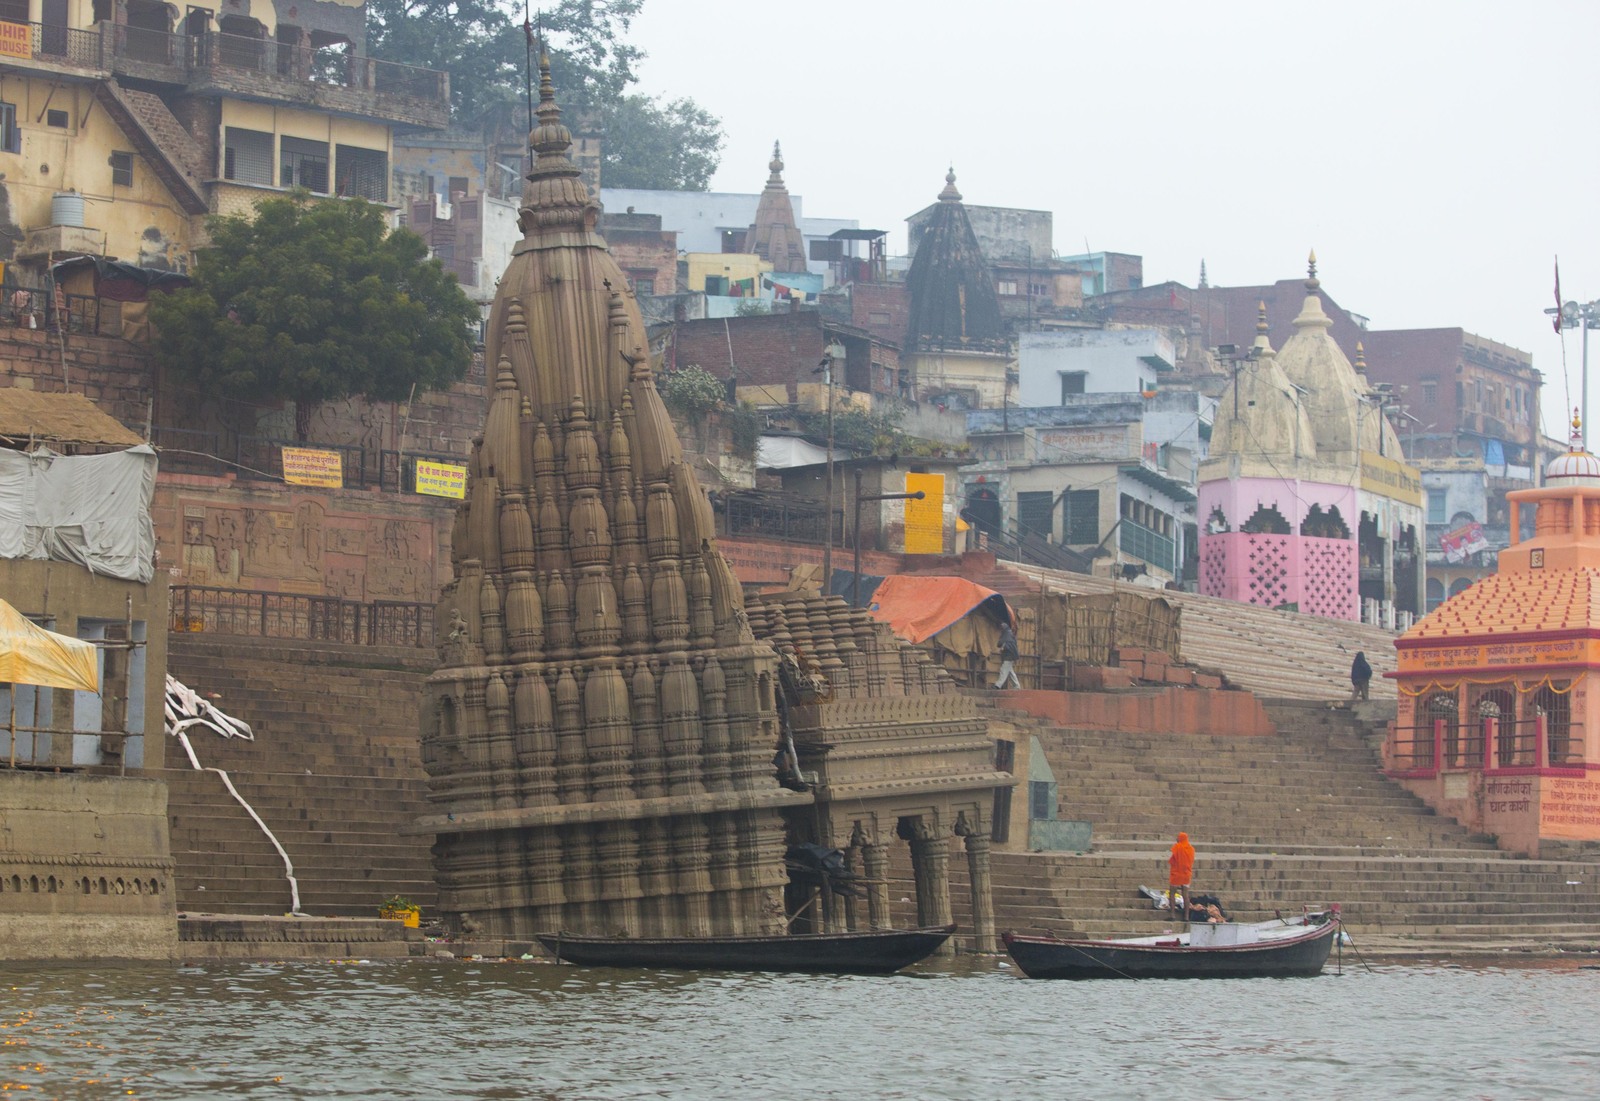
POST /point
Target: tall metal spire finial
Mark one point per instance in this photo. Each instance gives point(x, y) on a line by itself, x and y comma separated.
point(1361, 358)
point(1577, 430)
point(1312, 283)
point(1261, 316)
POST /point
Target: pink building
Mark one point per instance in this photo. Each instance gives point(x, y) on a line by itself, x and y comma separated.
point(1306, 500)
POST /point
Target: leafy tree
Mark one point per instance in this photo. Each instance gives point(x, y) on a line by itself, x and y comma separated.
point(312, 301)
point(693, 391)
point(483, 46)
point(674, 146)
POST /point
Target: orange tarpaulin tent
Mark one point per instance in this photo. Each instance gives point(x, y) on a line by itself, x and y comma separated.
point(917, 608)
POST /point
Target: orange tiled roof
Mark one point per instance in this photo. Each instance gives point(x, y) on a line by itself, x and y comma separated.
point(1537, 600)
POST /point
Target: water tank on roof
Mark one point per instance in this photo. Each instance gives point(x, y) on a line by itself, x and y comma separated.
point(66, 209)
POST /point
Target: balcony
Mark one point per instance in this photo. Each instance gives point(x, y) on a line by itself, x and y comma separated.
point(1150, 546)
point(248, 68)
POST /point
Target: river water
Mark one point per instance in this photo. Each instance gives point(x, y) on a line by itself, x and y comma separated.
point(975, 1029)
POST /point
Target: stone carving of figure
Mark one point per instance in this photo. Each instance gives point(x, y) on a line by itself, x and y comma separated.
point(458, 627)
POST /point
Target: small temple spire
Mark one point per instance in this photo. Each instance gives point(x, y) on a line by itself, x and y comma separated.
point(1312, 282)
point(1204, 282)
point(1261, 315)
point(775, 166)
point(1361, 358)
point(950, 194)
point(1577, 444)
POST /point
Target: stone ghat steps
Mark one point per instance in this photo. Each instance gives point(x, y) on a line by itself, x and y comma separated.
point(1268, 652)
point(236, 936)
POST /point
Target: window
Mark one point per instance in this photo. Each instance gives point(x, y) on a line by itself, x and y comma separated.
point(1073, 382)
point(1083, 516)
point(1039, 290)
point(1436, 506)
point(1430, 391)
point(458, 186)
point(55, 118)
point(878, 317)
point(362, 172)
point(1035, 509)
point(304, 164)
point(247, 156)
point(122, 170)
point(1006, 286)
point(644, 286)
point(9, 134)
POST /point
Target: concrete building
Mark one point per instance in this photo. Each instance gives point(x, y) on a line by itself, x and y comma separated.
point(131, 123)
point(1054, 365)
point(774, 360)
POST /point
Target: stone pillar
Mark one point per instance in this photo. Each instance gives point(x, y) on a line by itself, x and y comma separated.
point(930, 863)
point(875, 861)
point(982, 886)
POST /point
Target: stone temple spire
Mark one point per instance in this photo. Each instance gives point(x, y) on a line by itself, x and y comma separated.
point(592, 621)
point(953, 299)
point(773, 236)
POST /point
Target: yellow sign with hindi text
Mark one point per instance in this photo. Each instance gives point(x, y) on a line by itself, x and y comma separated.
point(308, 466)
point(441, 479)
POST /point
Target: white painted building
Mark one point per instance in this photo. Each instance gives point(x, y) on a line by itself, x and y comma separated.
point(1056, 364)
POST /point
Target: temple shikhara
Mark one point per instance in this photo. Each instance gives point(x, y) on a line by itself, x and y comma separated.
point(1307, 501)
point(1495, 685)
point(612, 747)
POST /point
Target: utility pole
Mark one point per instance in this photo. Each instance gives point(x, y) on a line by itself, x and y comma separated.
point(1582, 316)
point(830, 355)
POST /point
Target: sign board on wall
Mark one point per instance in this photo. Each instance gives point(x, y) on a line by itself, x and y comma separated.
point(925, 518)
point(1463, 541)
point(441, 479)
point(16, 40)
point(308, 466)
point(1391, 478)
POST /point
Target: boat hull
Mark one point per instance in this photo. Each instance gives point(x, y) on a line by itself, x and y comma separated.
point(880, 952)
point(1303, 954)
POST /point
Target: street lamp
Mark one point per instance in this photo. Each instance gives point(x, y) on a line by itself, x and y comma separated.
point(832, 354)
point(855, 582)
point(1585, 316)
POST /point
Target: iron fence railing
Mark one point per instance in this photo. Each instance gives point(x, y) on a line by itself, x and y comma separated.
point(202, 608)
point(1486, 744)
point(64, 45)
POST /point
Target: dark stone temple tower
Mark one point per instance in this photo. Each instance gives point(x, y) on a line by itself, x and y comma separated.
point(600, 733)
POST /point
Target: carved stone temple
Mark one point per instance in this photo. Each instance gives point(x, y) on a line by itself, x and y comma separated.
point(606, 733)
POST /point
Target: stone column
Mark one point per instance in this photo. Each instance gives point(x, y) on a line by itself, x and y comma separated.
point(982, 888)
point(875, 861)
point(930, 863)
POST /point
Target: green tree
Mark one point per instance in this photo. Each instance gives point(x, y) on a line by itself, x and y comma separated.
point(314, 301)
point(482, 44)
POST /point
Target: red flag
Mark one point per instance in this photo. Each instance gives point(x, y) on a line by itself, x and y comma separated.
point(1556, 321)
point(1172, 298)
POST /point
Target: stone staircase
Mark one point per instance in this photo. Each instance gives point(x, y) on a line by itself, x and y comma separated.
point(1304, 818)
point(334, 772)
point(1273, 654)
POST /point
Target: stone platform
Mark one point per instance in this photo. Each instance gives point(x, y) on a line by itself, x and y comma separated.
point(259, 937)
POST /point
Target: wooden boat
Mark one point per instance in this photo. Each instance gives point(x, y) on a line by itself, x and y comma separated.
point(879, 952)
point(1282, 947)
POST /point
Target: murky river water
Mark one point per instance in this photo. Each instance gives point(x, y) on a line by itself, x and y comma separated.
point(975, 1030)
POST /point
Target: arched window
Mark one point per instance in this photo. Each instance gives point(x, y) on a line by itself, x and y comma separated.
point(1268, 521)
point(1442, 707)
point(1556, 709)
point(1500, 704)
point(1435, 593)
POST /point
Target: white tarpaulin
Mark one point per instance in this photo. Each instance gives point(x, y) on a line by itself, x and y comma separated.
point(90, 509)
point(783, 452)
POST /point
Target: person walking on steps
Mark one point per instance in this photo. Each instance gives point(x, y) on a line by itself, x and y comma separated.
point(1180, 870)
point(1008, 657)
point(1360, 676)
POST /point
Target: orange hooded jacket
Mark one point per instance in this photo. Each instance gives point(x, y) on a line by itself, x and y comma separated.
point(1181, 862)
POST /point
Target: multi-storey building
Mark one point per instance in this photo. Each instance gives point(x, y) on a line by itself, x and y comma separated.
point(123, 124)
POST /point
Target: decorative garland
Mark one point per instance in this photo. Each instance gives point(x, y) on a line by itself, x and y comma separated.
point(1522, 689)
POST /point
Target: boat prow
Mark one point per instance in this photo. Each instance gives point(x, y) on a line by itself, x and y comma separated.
point(1281, 948)
point(875, 952)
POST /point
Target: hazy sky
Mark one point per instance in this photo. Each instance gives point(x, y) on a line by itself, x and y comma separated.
point(1436, 155)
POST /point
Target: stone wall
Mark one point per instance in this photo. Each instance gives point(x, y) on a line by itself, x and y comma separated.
point(112, 373)
point(85, 870)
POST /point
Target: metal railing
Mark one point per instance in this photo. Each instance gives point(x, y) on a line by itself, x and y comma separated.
point(95, 48)
point(1486, 744)
point(255, 613)
point(773, 517)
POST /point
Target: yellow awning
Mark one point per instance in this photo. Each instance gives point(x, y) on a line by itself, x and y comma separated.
point(29, 654)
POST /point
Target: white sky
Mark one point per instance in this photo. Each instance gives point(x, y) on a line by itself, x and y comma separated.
point(1437, 155)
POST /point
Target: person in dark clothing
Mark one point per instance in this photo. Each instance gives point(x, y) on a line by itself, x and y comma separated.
point(1008, 657)
point(1360, 676)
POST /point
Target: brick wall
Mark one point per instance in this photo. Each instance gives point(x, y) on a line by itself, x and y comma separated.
point(114, 374)
point(776, 349)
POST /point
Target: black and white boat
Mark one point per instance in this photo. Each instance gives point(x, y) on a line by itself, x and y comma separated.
point(1280, 948)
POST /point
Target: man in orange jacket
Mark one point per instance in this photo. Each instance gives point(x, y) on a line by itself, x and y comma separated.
point(1180, 870)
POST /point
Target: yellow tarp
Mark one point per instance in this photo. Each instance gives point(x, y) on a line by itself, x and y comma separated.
point(29, 654)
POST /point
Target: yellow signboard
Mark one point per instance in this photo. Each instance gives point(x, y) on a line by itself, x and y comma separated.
point(1391, 478)
point(306, 466)
point(925, 518)
point(16, 40)
point(1533, 653)
point(441, 479)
